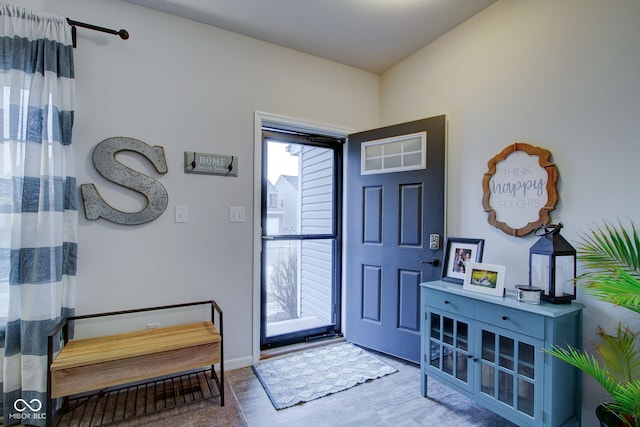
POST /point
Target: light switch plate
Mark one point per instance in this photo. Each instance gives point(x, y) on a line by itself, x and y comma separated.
point(180, 213)
point(237, 214)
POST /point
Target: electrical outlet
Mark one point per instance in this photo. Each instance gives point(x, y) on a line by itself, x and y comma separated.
point(153, 325)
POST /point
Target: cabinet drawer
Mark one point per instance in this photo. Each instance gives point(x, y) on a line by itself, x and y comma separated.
point(449, 302)
point(513, 320)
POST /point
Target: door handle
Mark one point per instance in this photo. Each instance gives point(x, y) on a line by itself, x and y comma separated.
point(435, 262)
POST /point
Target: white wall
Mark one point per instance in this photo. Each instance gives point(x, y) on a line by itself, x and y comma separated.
point(187, 87)
point(562, 75)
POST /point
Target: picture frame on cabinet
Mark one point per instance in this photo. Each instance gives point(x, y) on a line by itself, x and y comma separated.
point(484, 278)
point(458, 252)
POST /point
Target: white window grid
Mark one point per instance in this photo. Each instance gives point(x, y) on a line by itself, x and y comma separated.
point(395, 154)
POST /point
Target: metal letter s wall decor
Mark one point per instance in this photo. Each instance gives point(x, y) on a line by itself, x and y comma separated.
point(104, 160)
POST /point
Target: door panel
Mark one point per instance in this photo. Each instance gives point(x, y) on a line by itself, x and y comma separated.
point(389, 219)
point(371, 292)
point(408, 312)
point(372, 215)
point(410, 232)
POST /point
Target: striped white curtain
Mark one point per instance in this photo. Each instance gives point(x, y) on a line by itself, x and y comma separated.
point(38, 202)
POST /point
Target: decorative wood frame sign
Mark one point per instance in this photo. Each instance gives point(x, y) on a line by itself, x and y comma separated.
point(520, 189)
point(210, 164)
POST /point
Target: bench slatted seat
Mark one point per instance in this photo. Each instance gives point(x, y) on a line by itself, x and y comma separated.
point(84, 365)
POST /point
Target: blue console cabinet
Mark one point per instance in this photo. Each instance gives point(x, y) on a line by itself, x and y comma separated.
point(490, 350)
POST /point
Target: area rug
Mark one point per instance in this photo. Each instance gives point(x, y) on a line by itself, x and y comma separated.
point(311, 374)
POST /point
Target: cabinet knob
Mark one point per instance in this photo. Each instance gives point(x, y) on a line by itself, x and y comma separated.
point(446, 302)
point(505, 318)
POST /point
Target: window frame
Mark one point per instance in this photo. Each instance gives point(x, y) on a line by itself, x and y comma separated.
point(420, 136)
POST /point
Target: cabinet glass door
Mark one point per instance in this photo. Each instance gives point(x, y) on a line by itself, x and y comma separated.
point(509, 369)
point(448, 347)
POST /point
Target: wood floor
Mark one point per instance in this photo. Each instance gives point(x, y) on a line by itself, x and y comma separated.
point(394, 400)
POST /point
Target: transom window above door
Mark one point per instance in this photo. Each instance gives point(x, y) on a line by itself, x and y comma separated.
point(395, 154)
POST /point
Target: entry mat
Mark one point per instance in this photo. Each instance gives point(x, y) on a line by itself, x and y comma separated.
point(311, 374)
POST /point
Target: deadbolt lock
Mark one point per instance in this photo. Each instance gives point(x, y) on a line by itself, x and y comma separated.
point(434, 242)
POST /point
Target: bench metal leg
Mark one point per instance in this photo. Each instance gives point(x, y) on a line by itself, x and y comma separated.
point(219, 380)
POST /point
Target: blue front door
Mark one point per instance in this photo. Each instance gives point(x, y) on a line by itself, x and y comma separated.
point(395, 203)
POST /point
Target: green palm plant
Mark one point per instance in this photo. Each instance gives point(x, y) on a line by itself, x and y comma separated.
point(611, 259)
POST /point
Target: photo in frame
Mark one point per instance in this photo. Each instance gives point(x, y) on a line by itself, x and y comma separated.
point(458, 253)
point(484, 278)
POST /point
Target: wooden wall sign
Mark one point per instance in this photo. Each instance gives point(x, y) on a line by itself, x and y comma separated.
point(210, 164)
point(520, 189)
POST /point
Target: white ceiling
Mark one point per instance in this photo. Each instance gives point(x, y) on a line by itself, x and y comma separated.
point(372, 35)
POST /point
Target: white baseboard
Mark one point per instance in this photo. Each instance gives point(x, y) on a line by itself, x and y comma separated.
point(240, 362)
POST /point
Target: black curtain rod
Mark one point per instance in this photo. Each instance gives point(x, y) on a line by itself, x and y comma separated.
point(124, 34)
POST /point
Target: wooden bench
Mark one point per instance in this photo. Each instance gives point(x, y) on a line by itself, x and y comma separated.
point(85, 365)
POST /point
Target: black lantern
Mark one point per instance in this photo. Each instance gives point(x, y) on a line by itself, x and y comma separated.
point(552, 265)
